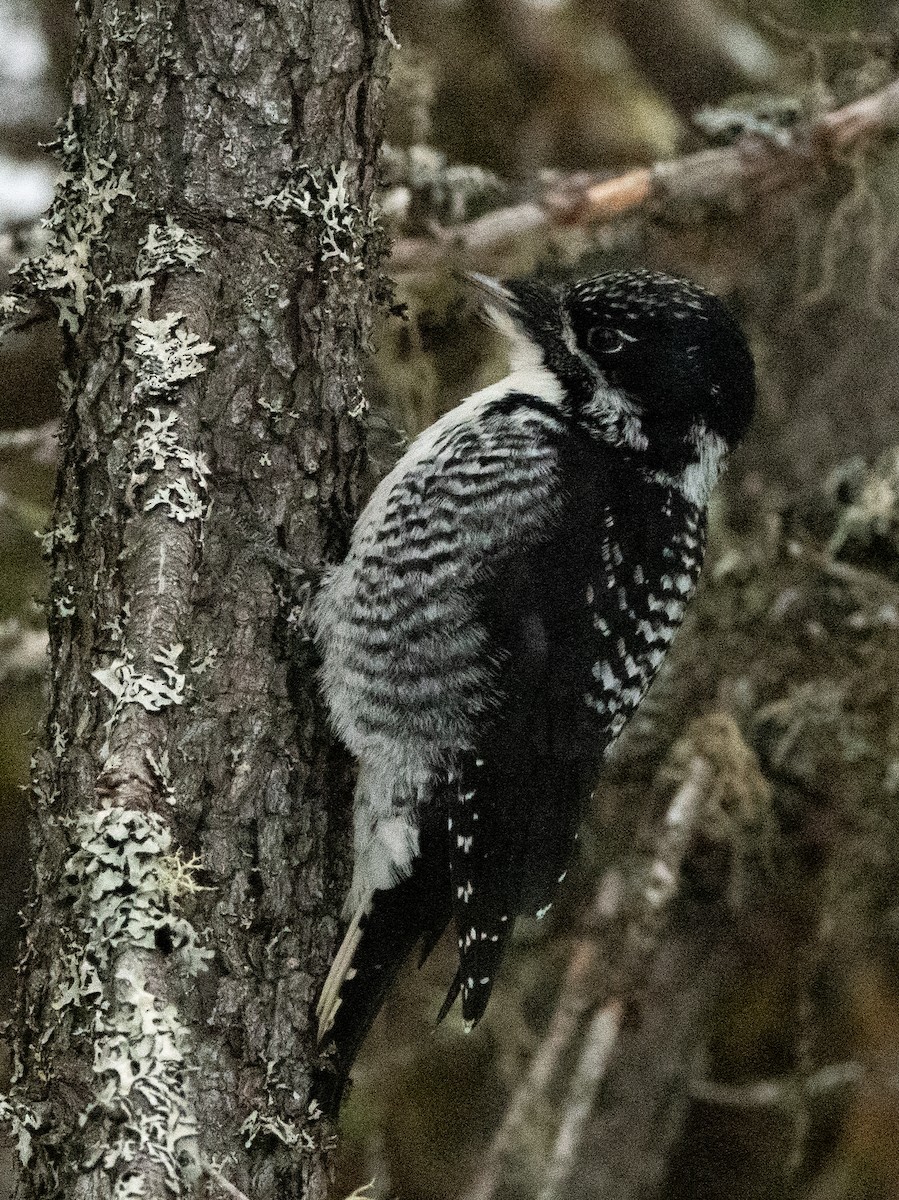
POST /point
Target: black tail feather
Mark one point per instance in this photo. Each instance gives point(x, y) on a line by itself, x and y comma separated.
point(510, 839)
point(418, 908)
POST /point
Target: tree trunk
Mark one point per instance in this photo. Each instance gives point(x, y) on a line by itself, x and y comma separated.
point(212, 261)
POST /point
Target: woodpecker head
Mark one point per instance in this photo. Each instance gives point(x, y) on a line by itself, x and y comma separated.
point(655, 364)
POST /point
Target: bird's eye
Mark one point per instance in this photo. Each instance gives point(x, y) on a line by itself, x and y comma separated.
point(603, 340)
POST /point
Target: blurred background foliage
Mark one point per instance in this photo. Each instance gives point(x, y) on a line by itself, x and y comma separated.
point(796, 633)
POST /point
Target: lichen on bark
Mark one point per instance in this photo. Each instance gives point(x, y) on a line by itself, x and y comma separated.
point(188, 796)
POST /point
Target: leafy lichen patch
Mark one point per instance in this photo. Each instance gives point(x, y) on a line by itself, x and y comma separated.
point(63, 533)
point(166, 248)
point(164, 353)
point(258, 1123)
point(87, 191)
point(156, 446)
point(182, 501)
point(22, 1121)
point(123, 888)
point(151, 692)
point(324, 197)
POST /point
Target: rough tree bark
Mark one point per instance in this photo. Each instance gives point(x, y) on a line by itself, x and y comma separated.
point(211, 260)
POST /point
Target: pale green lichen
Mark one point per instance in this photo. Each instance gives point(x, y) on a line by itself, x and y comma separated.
point(122, 886)
point(359, 407)
point(87, 191)
point(276, 407)
point(65, 387)
point(58, 739)
point(22, 1122)
point(178, 876)
point(44, 791)
point(165, 248)
point(324, 198)
point(168, 248)
point(155, 447)
point(64, 268)
point(164, 354)
point(151, 692)
point(64, 603)
point(181, 499)
point(115, 626)
point(160, 768)
point(287, 1132)
point(200, 666)
point(63, 533)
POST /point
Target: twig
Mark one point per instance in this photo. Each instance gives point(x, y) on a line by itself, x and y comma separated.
point(17, 323)
point(23, 651)
point(41, 441)
point(574, 999)
point(596, 1051)
point(363, 1192)
point(662, 882)
point(777, 1093)
point(752, 166)
point(844, 572)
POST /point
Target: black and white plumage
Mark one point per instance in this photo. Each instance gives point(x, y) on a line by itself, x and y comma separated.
point(510, 591)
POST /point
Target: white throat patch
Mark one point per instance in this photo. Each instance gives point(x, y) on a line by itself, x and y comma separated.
point(696, 481)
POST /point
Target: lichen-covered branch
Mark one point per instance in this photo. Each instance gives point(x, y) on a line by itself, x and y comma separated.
point(211, 260)
point(750, 168)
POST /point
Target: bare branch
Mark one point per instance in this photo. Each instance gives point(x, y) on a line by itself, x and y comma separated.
point(228, 1188)
point(23, 651)
point(596, 1051)
point(843, 572)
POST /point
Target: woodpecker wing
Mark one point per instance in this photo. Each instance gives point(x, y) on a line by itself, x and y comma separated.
point(580, 620)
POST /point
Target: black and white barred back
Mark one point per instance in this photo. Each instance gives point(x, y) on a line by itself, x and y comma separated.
point(510, 591)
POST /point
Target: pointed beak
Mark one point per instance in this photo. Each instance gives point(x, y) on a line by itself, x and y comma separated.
point(491, 289)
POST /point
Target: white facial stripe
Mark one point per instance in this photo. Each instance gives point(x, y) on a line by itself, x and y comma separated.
point(700, 477)
point(568, 334)
point(610, 408)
